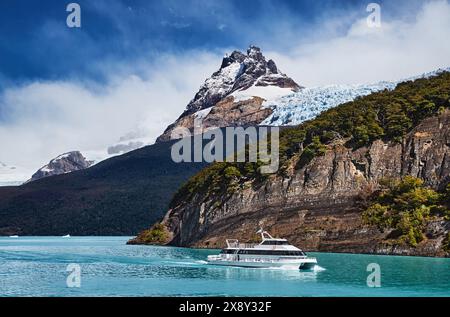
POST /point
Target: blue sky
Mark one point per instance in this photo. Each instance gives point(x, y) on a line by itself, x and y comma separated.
point(133, 66)
point(37, 44)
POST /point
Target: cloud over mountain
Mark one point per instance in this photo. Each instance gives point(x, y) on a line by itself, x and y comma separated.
point(40, 119)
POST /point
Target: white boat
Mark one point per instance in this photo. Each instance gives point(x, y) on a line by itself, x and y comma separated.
point(271, 252)
point(15, 236)
point(66, 236)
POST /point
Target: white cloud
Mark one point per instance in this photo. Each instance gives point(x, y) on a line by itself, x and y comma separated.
point(397, 50)
point(48, 118)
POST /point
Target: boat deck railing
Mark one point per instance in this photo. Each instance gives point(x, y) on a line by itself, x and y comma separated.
point(236, 258)
point(238, 245)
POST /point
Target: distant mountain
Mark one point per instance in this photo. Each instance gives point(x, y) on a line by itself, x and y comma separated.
point(119, 196)
point(69, 162)
point(233, 96)
point(62, 164)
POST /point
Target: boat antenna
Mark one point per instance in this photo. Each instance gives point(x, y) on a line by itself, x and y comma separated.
point(264, 234)
point(261, 232)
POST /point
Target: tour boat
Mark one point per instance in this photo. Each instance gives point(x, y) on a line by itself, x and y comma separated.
point(66, 236)
point(14, 236)
point(271, 252)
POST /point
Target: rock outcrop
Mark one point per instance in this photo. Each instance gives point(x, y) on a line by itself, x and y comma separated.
point(317, 206)
point(63, 164)
point(219, 102)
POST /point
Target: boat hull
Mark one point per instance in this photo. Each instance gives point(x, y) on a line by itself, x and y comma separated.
point(306, 264)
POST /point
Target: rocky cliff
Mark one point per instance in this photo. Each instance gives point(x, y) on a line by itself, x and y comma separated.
point(318, 205)
point(234, 95)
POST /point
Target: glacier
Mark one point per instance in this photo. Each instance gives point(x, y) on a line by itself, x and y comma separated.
point(308, 103)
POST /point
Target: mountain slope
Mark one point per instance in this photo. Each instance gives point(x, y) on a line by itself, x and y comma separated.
point(119, 196)
point(330, 167)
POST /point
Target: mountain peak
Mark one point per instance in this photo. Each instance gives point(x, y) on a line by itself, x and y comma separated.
point(62, 164)
point(239, 71)
point(240, 74)
point(255, 53)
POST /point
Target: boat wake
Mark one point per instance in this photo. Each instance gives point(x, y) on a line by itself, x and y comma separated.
point(281, 268)
point(318, 268)
point(188, 263)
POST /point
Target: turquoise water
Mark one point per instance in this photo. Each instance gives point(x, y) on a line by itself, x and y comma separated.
point(36, 266)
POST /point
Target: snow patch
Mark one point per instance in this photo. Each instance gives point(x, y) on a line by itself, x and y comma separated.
point(224, 81)
point(268, 93)
point(202, 113)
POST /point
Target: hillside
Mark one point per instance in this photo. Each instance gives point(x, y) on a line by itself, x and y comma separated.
point(331, 167)
point(119, 196)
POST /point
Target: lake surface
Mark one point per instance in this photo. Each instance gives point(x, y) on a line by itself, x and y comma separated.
point(36, 266)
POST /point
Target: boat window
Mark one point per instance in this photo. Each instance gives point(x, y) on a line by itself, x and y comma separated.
point(272, 242)
point(228, 251)
point(272, 252)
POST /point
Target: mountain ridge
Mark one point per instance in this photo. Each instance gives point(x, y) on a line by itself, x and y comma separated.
point(238, 72)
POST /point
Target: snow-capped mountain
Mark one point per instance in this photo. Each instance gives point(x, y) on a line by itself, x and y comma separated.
point(63, 164)
point(239, 72)
point(248, 90)
point(234, 94)
point(69, 162)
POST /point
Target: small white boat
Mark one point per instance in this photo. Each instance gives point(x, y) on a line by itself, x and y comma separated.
point(66, 236)
point(14, 236)
point(271, 252)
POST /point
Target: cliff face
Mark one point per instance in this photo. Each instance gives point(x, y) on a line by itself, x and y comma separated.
point(318, 206)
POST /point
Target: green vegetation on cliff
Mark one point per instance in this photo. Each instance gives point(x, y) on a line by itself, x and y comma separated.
point(219, 177)
point(406, 206)
point(447, 202)
point(157, 234)
point(387, 115)
point(447, 243)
